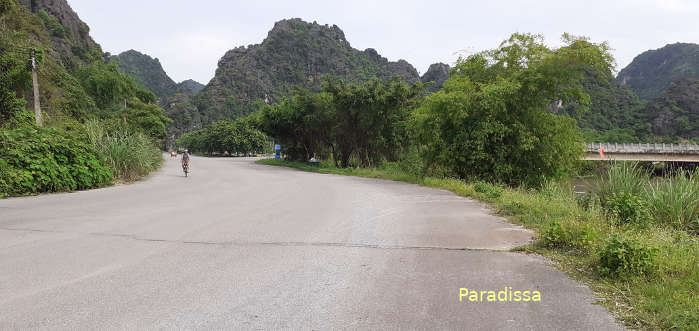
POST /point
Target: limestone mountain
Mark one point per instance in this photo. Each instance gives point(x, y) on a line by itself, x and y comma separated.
point(190, 86)
point(76, 83)
point(612, 108)
point(652, 72)
point(294, 54)
point(148, 72)
point(675, 113)
point(436, 75)
point(70, 37)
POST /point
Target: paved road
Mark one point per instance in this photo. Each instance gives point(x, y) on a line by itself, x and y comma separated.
point(245, 246)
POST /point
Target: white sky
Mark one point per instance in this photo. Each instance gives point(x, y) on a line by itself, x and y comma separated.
point(189, 37)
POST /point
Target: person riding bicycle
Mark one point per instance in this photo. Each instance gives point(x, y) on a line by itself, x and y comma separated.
point(185, 161)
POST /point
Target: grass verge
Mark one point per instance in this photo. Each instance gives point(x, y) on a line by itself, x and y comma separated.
point(647, 276)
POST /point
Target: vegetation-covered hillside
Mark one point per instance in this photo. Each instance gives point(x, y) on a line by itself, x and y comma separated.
point(81, 95)
point(148, 72)
point(294, 54)
point(675, 113)
point(652, 72)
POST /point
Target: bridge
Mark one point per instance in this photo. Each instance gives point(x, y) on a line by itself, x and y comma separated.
point(642, 152)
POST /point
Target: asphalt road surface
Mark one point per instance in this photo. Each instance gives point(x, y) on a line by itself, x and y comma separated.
point(244, 246)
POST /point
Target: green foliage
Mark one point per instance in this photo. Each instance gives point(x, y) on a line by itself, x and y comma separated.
point(303, 125)
point(129, 154)
point(675, 201)
point(238, 137)
point(109, 86)
point(622, 177)
point(622, 257)
point(367, 124)
point(491, 120)
point(53, 25)
point(371, 120)
point(627, 208)
point(36, 160)
point(653, 71)
point(491, 191)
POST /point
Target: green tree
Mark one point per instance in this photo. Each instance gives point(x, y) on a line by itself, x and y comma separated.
point(371, 119)
point(303, 124)
point(492, 119)
point(238, 137)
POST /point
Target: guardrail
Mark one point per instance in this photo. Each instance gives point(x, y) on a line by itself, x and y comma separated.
point(643, 148)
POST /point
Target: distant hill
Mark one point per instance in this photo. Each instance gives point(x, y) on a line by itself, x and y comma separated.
point(652, 72)
point(437, 74)
point(294, 54)
point(148, 72)
point(190, 86)
point(675, 113)
point(612, 108)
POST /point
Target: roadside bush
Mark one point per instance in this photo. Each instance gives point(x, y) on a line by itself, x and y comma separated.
point(622, 257)
point(557, 235)
point(35, 160)
point(412, 164)
point(627, 208)
point(129, 154)
point(491, 192)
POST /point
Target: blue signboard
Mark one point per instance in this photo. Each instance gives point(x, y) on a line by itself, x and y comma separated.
point(277, 152)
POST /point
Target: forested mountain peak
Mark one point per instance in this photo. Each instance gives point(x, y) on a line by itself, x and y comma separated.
point(294, 54)
point(147, 71)
point(653, 71)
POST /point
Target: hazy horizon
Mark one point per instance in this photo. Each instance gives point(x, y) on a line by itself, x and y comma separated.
point(189, 40)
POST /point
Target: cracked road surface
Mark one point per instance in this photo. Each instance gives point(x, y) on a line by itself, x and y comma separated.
point(244, 246)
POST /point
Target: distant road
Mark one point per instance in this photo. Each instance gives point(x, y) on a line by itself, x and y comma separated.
point(244, 246)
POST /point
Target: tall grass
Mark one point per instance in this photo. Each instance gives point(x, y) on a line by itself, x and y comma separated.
point(675, 201)
point(621, 177)
point(130, 155)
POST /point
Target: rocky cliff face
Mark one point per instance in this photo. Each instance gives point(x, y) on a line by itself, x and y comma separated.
point(435, 76)
point(652, 72)
point(294, 54)
point(70, 36)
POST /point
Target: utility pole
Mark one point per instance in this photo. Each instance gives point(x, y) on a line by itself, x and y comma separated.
point(35, 82)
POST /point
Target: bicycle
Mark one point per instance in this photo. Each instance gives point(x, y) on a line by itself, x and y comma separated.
point(185, 168)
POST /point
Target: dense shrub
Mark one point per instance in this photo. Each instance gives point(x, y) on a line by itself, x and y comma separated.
point(558, 235)
point(626, 257)
point(35, 160)
point(627, 208)
point(492, 120)
point(490, 191)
